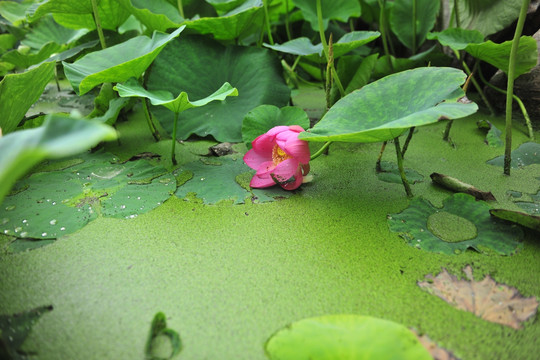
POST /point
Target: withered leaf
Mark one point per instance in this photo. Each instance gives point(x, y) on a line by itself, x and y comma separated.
point(437, 352)
point(487, 299)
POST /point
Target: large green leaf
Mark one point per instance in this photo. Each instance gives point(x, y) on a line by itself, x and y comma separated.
point(132, 88)
point(47, 30)
point(411, 25)
point(24, 59)
point(19, 91)
point(232, 25)
point(14, 12)
point(498, 55)
point(486, 16)
point(205, 65)
point(340, 10)
point(457, 38)
point(352, 337)
point(117, 63)
point(384, 109)
point(58, 137)
point(348, 42)
point(156, 15)
point(78, 14)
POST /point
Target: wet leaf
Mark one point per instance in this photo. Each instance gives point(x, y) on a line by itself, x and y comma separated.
point(117, 63)
point(56, 203)
point(14, 329)
point(411, 98)
point(390, 173)
point(526, 154)
point(19, 92)
point(59, 136)
point(264, 117)
point(345, 337)
point(340, 10)
point(461, 223)
point(155, 350)
point(205, 66)
point(487, 299)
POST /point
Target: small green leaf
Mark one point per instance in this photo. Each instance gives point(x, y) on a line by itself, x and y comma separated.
point(264, 117)
point(345, 337)
point(340, 10)
point(19, 92)
point(111, 115)
point(384, 109)
point(117, 63)
point(402, 18)
point(526, 154)
point(461, 223)
point(132, 88)
point(457, 38)
point(493, 136)
point(498, 55)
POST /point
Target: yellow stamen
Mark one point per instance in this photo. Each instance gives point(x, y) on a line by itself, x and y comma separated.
point(278, 155)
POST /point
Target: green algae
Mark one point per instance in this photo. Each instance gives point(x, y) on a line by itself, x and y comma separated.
point(230, 276)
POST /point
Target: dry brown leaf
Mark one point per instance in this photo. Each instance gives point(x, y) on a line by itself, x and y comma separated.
point(487, 299)
point(438, 353)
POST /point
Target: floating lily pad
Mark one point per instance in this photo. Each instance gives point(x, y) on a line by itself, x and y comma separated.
point(117, 63)
point(411, 98)
point(461, 223)
point(205, 66)
point(390, 173)
point(261, 119)
point(14, 329)
point(526, 154)
point(56, 203)
point(345, 337)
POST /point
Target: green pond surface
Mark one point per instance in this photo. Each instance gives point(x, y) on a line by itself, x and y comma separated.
point(229, 276)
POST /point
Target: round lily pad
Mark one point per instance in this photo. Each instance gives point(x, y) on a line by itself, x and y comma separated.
point(345, 337)
point(462, 223)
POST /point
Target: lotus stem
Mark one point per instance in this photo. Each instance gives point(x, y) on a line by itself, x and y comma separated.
point(149, 121)
point(401, 169)
point(478, 87)
point(407, 141)
point(173, 156)
point(287, 25)
point(379, 158)
point(267, 21)
point(446, 134)
point(97, 21)
point(181, 8)
point(321, 150)
point(414, 26)
point(517, 100)
point(382, 27)
point(510, 86)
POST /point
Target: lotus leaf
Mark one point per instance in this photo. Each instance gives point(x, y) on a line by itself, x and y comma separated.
point(205, 66)
point(345, 337)
point(488, 17)
point(340, 10)
point(14, 12)
point(390, 173)
point(457, 38)
point(412, 98)
point(19, 92)
point(462, 223)
point(47, 30)
point(410, 24)
point(156, 15)
point(526, 154)
point(23, 60)
point(261, 119)
point(117, 63)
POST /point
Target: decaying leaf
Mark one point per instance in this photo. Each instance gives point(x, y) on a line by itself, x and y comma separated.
point(487, 299)
point(459, 186)
point(435, 350)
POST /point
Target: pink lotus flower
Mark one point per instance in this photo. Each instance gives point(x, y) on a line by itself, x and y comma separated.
point(279, 158)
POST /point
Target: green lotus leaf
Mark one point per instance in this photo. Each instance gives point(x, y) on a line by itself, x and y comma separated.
point(486, 16)
point(14, 329)
point(14, 12)
point(390, 173)
point(526, 154)
point(498, 55)
point(461, 223)
point(67, 54)
point(524, 219)
point(78, 14)
point(411, 98)
point(117, 63)
point(19, 92)
point(205, 66)
point(457, 38)
point(23, 60)
point(403, 16)
point(156, 15)
point(232, 25)
point(55, 203)
point(225, 5)
point(261, 119)
point(7, 41)
point(345, 337)
point(113, 111)
point(58, 137)
point(132, 88)
point(530, 207)
point(493, 136)
point(340, 10)
point(348, 42)
point(47, 30)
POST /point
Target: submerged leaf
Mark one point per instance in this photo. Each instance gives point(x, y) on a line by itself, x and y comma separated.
point(486, 299)
point(386, 108)
point(345, 337)
point(526, 154)
point(462, 223)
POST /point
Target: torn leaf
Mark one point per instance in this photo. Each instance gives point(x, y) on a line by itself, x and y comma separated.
point(486, 299)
